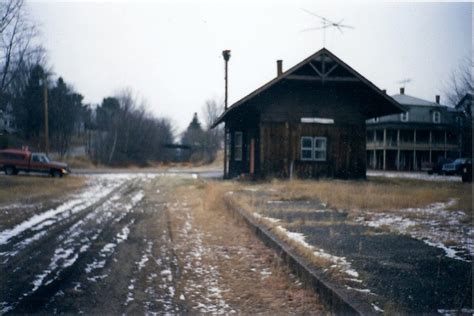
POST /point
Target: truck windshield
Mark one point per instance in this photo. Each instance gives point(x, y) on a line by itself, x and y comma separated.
point(40, 158)
point(44, 158)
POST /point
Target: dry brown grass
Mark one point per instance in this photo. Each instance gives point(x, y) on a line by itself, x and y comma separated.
point(24, 188)
point(80, 162)
point(378, 194)
point(240, 256)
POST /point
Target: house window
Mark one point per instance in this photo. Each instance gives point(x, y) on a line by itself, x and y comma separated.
point(404, 116)
point(313, 148)
point(436, 117)
point(320, 148)
point(375, 119)
point(306, 148)
point(238, 146)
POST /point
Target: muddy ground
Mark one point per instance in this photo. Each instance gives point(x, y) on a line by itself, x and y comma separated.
point(139, 243)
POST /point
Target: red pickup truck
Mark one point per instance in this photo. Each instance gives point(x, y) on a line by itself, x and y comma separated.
point(13, 161)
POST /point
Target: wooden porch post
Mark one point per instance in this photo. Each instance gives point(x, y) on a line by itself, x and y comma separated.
point(252, 156)
point(431, 140)
point(398, 149)
point(414, 150)
point(384, 148)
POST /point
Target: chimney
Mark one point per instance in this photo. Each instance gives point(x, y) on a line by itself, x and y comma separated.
point(279, 67)
point(384, 91)
point(402, 90)
point(437, 99)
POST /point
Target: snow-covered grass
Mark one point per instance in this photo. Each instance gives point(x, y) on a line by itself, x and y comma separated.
point(206, 301)
point(434, 224)
point(413, 175)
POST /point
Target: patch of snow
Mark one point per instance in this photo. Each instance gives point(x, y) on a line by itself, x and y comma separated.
point(199, 276)
point(270, 219)
point(413, 175)
point(89, 196)
point(376, 308)
point(340, 263)
point(265, 273)
point(137, 197)
point(433, 224)
point(365, 291)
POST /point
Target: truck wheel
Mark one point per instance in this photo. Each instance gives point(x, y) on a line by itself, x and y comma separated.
point(56, 174)
point(9, 170)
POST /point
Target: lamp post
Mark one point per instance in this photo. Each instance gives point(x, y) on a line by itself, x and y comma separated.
point(43, 82)
point(226, 55)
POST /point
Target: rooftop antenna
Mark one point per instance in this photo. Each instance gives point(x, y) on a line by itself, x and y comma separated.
point(403, 82)
point(325, 24)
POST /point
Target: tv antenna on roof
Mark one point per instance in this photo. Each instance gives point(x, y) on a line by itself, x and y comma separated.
point(403, 82)
point(325, 24)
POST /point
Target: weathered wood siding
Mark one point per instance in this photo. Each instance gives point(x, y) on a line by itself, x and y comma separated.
point(346, 156)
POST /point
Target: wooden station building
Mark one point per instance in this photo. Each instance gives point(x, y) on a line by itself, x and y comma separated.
point(309, 121)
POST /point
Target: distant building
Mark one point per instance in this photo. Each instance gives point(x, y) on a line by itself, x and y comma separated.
point(7, 120)
point(309, 122)
point(465, 107)
point(409, 140)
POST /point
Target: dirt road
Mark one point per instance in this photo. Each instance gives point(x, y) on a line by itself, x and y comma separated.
point(109, 249)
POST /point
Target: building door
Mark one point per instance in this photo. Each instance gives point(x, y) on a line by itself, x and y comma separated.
point(252, 156)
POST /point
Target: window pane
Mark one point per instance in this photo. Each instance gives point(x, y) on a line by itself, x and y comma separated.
point(238, 146)
point(306, 154)
point(238, 138)
point(320, 143)
point(307, 142)
point(320, 155)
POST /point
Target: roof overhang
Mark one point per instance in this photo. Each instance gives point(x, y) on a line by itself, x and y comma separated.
point(320, 75)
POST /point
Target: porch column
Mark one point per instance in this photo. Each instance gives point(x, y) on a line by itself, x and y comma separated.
point(384, 148)
point(398, 149)
point(374, 162)
point(445, 144)
point(414, 150)
point(431, 139)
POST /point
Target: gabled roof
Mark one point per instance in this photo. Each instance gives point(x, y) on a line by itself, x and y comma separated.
point(297, 72)
point(405, 99)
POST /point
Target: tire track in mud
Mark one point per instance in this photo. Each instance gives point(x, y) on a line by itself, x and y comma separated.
point(113, 256)
point(41, 268)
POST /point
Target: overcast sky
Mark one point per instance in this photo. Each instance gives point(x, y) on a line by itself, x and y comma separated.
point(169, 52)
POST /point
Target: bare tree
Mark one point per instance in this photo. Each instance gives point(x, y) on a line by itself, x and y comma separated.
point(127, 133)
point(16, 36)
point(211, 111)
point(460, 82)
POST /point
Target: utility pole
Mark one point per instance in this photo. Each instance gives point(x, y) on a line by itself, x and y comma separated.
point(46, 127)
point(226, 55)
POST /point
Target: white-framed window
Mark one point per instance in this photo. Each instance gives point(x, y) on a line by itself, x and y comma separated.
point(319, 148)
point(436, 117)
point(404, 117)
point(313, 148)
point(306, 148)
point(375, 119)
point(238, 146)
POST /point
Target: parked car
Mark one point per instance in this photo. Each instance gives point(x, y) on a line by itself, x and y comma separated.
point(455, 167)
point(13, 161)
point(436, 167)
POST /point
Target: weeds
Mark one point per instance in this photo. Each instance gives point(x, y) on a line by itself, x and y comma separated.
point(15, 189)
